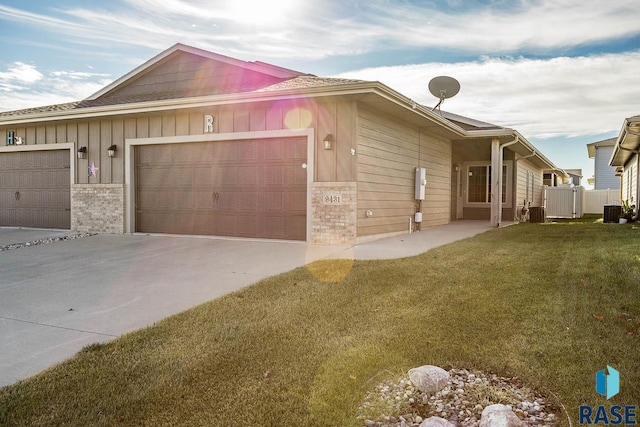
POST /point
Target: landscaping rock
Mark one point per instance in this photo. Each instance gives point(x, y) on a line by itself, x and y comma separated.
point(461, 402)
point(436, 422)
point(44, 241)
point(499, 415)
point(428, 378)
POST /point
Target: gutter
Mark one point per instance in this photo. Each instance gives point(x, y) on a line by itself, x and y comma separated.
point(363, 88)
point(626, 129)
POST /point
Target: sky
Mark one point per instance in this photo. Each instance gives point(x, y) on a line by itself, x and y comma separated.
point(563, 73)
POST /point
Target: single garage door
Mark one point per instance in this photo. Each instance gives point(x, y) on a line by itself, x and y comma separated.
point(244, 188)
point(35, 189)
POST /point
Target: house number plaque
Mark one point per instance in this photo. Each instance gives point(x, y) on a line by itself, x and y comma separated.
point(331, 199)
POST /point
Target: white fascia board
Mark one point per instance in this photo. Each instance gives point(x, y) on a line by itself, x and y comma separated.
point(194, 102)
point(512, 133)
point(361, 88)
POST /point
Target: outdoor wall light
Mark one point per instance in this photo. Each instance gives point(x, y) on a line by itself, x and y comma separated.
point(81, 152)
point(111, 151)
point(328, 142)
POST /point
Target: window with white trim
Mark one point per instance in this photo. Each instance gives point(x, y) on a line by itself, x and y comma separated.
point(479, 183)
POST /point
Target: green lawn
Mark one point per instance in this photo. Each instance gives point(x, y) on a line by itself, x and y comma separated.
point(553, 303)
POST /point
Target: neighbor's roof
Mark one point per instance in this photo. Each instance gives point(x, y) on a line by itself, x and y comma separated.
point(591, 148)
point(468, 123)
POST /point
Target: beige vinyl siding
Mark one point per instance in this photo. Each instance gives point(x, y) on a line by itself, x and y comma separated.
point(388, 153)
point(530, 189)
point(328, 116)
point(630, 181)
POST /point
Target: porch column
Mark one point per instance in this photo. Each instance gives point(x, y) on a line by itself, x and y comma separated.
point(496, 183)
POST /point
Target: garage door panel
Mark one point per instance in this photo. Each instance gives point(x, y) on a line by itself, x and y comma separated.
point(247, 201)
point(202, 176)
point(247, 153)
point(151, 199)
point(225, 201)
point(224, 176)
point(42, 180)
point(203, 200)
point(224, 152)
point(245, 176)
point(249, 188)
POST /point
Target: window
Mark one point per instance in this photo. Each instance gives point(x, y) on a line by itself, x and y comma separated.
point(548, 179)
point(479, 183)
point(11, 137)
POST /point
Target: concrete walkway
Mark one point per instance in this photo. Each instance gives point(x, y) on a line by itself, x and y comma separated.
point(57, 298)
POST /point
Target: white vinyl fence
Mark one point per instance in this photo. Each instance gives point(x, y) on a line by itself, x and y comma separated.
point(563, 202)
point(595, 200)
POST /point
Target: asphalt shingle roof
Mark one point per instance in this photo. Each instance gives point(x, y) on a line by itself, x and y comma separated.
point(301, 82)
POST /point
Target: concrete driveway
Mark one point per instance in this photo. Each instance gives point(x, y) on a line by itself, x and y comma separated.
point(57, 298)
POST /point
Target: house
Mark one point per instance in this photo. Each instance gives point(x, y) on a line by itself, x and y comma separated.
point(604, 175)
point(626, 158)
point(193, 142)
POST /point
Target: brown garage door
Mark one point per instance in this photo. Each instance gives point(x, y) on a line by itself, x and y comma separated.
point(35, 189)
point(246, 188)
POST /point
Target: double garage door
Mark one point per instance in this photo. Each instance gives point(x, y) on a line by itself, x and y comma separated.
point(35, 189)
point(244, 188)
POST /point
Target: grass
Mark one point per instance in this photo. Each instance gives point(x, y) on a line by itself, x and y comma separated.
point(553, 302)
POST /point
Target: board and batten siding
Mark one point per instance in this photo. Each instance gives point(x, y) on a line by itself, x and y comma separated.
point(327, 116)
point(388, 153)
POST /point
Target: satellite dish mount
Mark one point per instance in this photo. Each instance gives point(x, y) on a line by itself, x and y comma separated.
point(443, 87)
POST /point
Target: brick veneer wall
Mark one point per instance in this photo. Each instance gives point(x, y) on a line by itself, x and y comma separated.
point(97, 208)
point(334, 207)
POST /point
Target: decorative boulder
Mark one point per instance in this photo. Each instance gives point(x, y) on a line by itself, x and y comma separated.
point(436, 422)
point(499, 416)
point(429, 379)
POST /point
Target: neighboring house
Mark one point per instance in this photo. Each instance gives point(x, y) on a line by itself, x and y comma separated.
point(626, 158)
point(604, 176)
point(193, 142)
point(575, 177)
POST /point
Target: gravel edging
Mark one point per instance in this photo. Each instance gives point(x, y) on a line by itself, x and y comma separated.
point(44, 241)
point(397, 402)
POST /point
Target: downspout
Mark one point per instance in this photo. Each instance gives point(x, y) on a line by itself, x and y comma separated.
point(502, 147)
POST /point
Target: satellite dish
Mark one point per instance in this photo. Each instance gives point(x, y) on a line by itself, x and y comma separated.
point(443, 87)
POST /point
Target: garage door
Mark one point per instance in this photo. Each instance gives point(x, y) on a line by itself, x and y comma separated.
point(35, 189)
point(246, 188)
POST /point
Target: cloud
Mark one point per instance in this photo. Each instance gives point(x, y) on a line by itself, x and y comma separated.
point(541, 98)
point(20, 72)
point(335, 27)
point(510, 26)
point(23, 86)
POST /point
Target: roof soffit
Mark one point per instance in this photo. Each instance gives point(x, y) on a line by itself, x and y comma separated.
point(627, 143)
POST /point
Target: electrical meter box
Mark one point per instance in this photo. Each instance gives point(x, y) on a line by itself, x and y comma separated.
point(421, 182)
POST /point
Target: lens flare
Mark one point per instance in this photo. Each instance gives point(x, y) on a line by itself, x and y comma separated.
point(332, 270)
point(298, 118)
